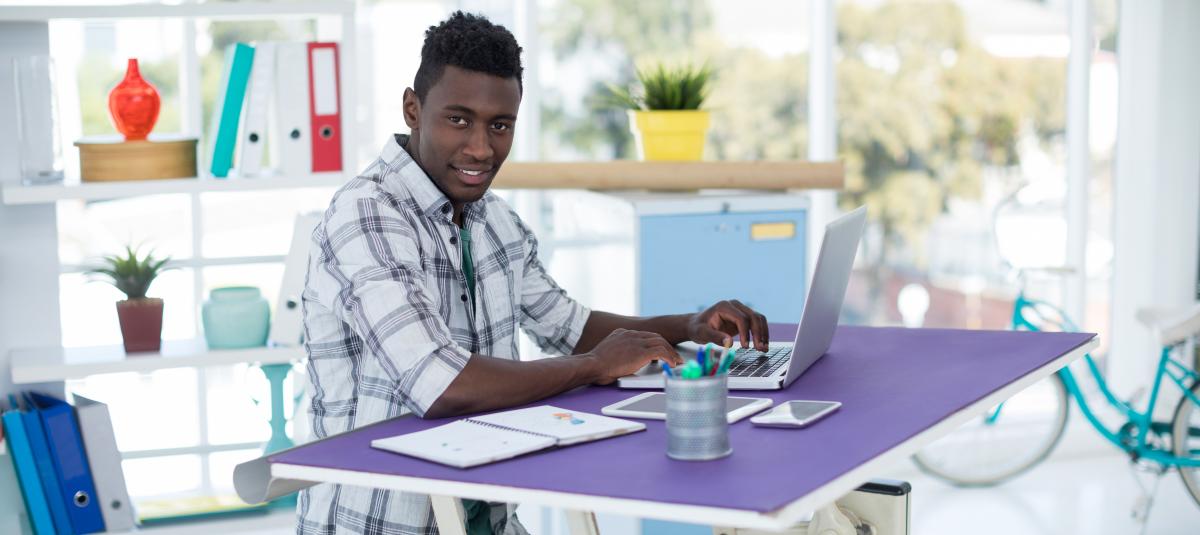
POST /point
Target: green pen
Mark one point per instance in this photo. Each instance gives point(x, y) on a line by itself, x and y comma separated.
point(691, 370)
point(709, 363)
point(726, 362)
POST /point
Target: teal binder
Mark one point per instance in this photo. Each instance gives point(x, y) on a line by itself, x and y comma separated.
point(239, 57)
point(36, 436)
point(27, 473)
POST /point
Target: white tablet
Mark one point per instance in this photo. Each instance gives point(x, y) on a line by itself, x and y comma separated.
point(653, 406)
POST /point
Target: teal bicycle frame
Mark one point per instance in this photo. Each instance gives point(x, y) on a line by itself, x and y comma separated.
point(1131, 437)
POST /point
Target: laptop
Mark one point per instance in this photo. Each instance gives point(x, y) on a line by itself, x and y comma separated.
point(783, 362)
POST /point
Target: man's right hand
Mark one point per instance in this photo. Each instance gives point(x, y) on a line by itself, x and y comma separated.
point(624, 352)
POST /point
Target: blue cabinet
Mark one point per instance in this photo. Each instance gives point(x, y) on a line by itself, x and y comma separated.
point(687, 262)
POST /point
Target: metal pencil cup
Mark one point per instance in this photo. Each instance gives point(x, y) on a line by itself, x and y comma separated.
point(696, 426)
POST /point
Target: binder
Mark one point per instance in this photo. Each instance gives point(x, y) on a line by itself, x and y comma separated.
point(70, 462)
point(27, 474)
point(287, 327)
point(105, 460)
point(291, 146)
point(42, 460)
point(254, 124)
point(325, 107)
point(239, 57)
point(14, 518)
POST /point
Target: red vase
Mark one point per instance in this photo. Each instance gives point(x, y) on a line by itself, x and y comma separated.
point(134, 104)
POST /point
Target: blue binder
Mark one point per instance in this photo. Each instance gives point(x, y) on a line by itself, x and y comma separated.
point(239, 57)
point(27, 474)
point(45, 469)
point(78, 492)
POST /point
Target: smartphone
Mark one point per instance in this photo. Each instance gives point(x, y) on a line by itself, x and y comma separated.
point(800, 413)
point(653, 405)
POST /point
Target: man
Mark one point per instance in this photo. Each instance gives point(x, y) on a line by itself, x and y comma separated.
point(419, 278)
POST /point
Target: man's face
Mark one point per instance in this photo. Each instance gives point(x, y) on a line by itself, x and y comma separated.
point(463, 131)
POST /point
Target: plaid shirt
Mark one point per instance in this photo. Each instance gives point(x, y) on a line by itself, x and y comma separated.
point(389, 323)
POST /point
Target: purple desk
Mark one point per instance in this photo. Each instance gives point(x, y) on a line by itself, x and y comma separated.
point(899, 388)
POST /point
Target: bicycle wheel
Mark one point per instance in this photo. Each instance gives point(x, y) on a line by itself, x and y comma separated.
point(1007, 440)
point(1185, 433)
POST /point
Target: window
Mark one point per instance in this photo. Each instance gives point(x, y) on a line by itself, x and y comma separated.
point(944, 110)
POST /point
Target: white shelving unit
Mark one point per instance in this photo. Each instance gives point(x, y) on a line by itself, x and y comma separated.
point(94, 191)
point(30, 332)
point(46, 364)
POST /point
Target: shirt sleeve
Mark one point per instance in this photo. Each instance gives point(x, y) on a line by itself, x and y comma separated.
point(371, 250)
point(548, 315)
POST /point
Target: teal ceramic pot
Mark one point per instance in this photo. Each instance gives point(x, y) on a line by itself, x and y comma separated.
point(235, 317)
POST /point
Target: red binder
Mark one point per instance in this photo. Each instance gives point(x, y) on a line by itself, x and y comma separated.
point(324, 106)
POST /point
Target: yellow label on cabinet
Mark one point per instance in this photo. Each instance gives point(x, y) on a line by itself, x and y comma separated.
point(773, 231)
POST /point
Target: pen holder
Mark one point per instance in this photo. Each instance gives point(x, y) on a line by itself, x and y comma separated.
point(697, 429)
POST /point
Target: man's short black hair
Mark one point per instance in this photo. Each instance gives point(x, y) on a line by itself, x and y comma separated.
point(468, 42)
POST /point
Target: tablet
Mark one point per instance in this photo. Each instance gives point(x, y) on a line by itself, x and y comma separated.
point(653, 406)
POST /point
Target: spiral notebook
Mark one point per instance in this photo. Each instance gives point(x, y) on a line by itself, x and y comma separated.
point(503, 435)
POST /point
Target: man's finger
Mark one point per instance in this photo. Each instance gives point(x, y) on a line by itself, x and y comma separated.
point(708, 334)
point(731, 314)
point(758, 324)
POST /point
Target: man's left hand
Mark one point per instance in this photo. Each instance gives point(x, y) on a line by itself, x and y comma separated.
point(725, 319)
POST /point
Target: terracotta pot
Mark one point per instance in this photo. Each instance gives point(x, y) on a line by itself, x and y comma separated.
point(141, 323)
point(134, 104)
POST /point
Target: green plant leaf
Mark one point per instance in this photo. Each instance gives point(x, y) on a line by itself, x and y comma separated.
point(129, 273)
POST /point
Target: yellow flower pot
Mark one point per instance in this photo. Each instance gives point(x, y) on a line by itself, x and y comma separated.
point(674, 135)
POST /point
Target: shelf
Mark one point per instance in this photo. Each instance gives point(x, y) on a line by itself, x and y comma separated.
point(671, 176)
point(210, 10)
point(95, 191)
point(279, 521)
point(618, 175)
point(40, 365)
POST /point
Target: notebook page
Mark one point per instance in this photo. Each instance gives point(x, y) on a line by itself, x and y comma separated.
point(463, 444)
point(569, 427)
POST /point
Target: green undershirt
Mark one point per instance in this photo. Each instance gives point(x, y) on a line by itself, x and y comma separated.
point(478, 513)
point(468, 264)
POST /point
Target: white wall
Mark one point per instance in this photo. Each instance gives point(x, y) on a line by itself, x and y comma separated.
point(1157, 185)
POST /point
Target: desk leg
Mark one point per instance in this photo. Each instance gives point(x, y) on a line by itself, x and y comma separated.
point(581, 523)
point(450, 516)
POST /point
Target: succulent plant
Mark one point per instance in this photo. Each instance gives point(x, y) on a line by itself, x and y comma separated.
point(130, 273)
point(665, 88)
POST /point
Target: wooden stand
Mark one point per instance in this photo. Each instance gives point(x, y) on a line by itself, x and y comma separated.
point(112, 158)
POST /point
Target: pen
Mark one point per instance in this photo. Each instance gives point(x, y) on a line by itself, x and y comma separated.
point(667, 369)
point(708, 358)
point(700, 358)
point(726, 362)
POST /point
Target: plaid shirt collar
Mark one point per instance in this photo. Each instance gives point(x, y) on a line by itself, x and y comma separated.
point(410, 180)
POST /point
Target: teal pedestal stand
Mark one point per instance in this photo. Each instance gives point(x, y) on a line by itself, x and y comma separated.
point(276, 374)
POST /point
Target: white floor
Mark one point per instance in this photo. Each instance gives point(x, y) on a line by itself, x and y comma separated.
point(1092, 496)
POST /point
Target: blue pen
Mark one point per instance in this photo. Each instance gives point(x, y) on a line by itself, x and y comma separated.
point(700, 358)
point(667, 369)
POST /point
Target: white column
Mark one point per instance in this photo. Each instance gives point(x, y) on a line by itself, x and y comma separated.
point(1157, 183)
point(822, 114)
point(28, 245)
point(1079, 156)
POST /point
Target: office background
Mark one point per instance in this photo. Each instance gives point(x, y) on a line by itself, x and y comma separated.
point(940, 110)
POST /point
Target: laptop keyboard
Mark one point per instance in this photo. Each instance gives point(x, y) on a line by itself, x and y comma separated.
point(754, 363)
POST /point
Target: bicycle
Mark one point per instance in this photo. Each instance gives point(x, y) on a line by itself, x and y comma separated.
point(1019, 433)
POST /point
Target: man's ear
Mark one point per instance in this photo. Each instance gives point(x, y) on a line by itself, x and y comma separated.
point(412, 109)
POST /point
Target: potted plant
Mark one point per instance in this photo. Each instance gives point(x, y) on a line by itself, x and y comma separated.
point(665, 117)
point(140, 316)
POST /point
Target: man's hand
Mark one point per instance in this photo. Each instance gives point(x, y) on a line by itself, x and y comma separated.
point(721, 321)
point(624, 352)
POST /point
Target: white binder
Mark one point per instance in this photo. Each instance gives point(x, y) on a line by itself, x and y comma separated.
point(105, 461)
point(287, 327)
point(258, 97)
point(291, 144)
